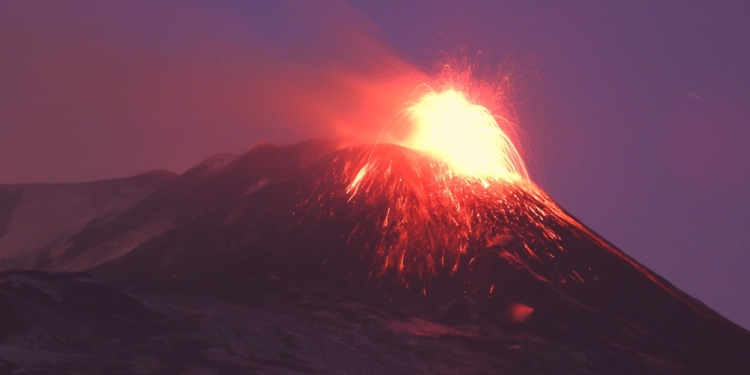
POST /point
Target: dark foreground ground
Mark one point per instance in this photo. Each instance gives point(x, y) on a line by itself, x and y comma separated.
point(71, 323)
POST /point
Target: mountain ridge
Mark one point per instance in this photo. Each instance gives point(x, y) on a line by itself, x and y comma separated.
point(34, 216)
point(291, 244)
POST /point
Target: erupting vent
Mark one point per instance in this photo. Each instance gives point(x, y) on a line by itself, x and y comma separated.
point(464, 135)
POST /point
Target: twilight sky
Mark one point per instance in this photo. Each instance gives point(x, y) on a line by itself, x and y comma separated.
point(636, 114)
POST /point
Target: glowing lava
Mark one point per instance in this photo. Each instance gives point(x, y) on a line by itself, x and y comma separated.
point(464, 135)
point(413, 217)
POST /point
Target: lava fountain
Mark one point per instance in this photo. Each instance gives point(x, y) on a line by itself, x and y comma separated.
point(451, 197)
point(464, 135)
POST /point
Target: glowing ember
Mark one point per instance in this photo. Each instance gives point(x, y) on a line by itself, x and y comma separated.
point(464, 135)
point(520, 312)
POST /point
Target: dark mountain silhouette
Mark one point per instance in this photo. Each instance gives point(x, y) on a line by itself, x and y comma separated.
point(275, 262)
point(216, 182)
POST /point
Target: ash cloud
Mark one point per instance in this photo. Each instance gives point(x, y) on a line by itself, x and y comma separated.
point(95, 90)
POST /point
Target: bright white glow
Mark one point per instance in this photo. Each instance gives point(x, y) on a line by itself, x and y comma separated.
point(464, 135)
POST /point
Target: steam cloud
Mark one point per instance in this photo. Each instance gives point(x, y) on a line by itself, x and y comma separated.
point(94, 90)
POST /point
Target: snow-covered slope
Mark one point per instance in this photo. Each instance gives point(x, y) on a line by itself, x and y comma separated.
point(215, 183)
point(34, 217)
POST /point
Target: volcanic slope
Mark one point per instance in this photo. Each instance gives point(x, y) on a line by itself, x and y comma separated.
point(217, 182)
point(384, 226)
point(34, 218)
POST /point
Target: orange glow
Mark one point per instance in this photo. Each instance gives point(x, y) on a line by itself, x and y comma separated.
point(519, 312)
point(466, 136)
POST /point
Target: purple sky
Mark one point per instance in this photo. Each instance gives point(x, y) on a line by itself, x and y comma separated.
point(638, 115)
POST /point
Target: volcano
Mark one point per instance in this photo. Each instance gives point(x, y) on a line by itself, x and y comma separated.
point(370, 259)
